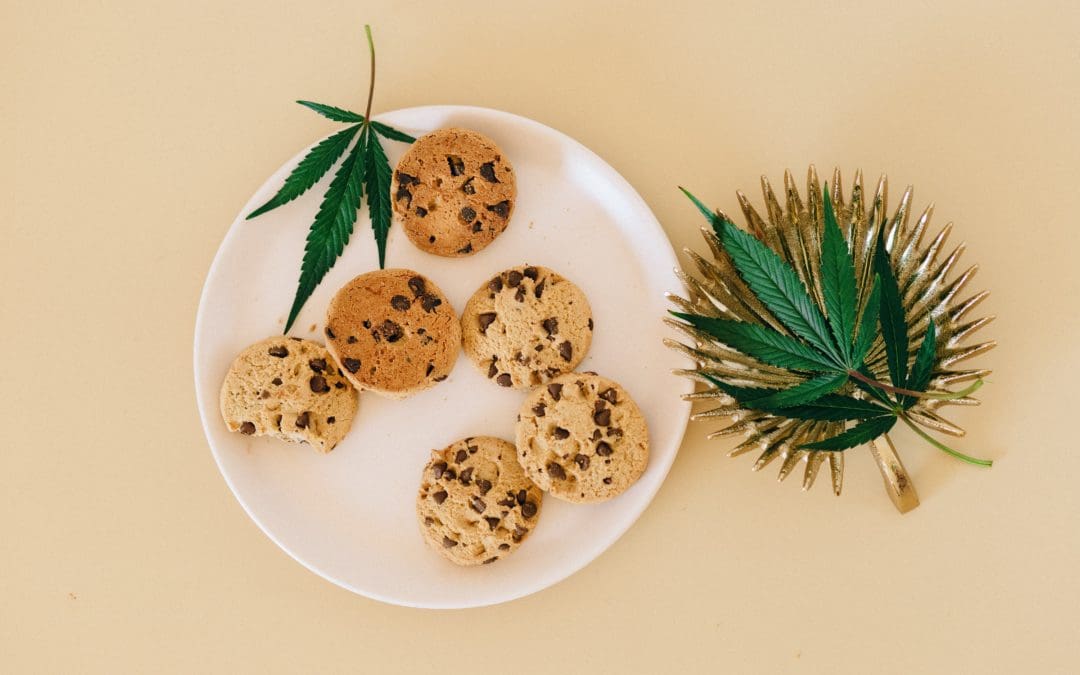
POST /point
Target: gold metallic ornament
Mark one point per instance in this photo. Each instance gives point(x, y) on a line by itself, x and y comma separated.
point(930, 286)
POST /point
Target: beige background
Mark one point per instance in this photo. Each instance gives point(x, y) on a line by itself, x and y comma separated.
point(131, 133)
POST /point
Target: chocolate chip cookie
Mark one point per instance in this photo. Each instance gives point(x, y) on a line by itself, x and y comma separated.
point(582, 438)
point(475, 504)
point(526, 326)
point(454, 190)
point(393, 332)
point(290, 389)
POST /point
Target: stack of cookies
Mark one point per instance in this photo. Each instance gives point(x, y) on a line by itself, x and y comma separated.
point(580, 437)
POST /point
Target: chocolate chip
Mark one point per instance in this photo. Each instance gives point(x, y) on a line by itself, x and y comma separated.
point(521, 496)
point(539, 290)
point(477, 226)
point(421, 211)
point(609, 395)
point(431, 239)
point(303, 419)
point(440, 496)
point(556, 470)
point(460, 456)
point(495, 285)
point(504, 547)
point(447, 542)
point(331, 419)
point(513, 278)
point(247, 428)
point(492, 370)
point(603, 449)
point(405, 179)
point(477, 504)
point(400, 303)
point(607, 481)
point(467, 187)
point(457, 166)
point(519, 533)
point(602, 417)
point(484, 485)
point(466, 476)
point(429, 302)
point(492, 521)
point(339, 385)
point(539, 409)
point(485, 320)
point(450, 474)
point(351, 365)
point(329, 333)
point(276, 381)
point(566, 351)
point(467, 248)
point(555, 389)
point(520, 295)
point(550, 325)
point(590, 323)
point(582, 461)
point(418, 286)
point(403, 193)
point(317, 365)
point(391, 331)
point(490, 560)
point(561, 434)
point(502, 209)
point(278, 351)
point(504, 380)
point(318, 384)
point(487, 170)
point(440, 378)
point(437, 469)
point(468, 214)
point(528, 509)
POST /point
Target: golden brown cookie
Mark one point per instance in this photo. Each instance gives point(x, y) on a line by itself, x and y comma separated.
point(526, 326)
point(393, 332)
point(582, 438)
point(455, 191)
point(290, 389)
point(475, 504)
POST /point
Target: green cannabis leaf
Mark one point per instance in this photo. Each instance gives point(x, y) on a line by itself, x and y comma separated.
point(364, 169)
point(825, 346)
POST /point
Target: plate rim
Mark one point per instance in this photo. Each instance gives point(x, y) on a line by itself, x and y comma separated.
point(277, 177)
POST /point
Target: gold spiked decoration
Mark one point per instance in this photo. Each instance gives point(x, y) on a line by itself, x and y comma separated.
point(825, 325)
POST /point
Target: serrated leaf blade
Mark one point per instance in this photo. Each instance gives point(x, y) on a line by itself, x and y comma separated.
point(838, 283)
point(311, 168)
point(778, 287)
point(868, 325)
point(761, 343)
point(333, 112)
point(331, 229)
point(377, 184)
point(828, 408)
point(387, 131)
point(893, 322)
point(863, 432)
point(712, 216)
point(923, 367)
point(802, 393)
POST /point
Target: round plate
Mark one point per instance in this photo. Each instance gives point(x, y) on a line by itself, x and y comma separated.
point(349, 515)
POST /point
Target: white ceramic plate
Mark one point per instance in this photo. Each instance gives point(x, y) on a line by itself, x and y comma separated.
point(349, 516)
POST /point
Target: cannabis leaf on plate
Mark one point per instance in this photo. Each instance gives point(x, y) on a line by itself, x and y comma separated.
point(827, 346)
point(364, 169)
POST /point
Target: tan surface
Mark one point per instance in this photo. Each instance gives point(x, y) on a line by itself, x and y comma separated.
point(131, 134)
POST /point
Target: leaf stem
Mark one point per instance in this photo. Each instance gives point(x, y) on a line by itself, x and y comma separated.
point(371, 86)
point(944, 448)
point(917, 394)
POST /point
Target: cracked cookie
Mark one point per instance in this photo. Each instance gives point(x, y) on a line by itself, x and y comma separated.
point(454, 191)
point(475, 503)
point(393, 332)
point(290, 389)
point(582, 438)
point(526, 326)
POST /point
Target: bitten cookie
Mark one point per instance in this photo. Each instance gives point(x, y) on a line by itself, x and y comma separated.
point(526, 326)
point(454, 191)
point(582, 438)
point(290, 389)
point(393, 332)
point(475, 504)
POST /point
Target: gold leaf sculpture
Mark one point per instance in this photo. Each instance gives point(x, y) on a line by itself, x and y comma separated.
point(932, 288)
